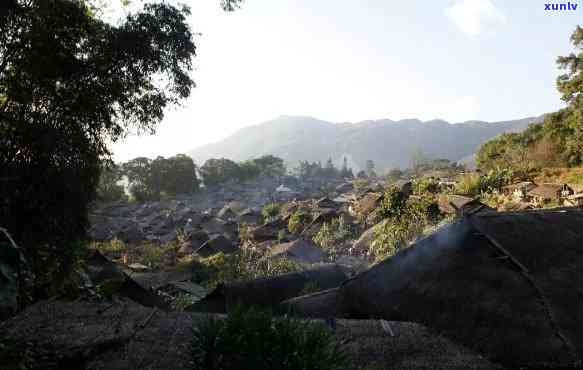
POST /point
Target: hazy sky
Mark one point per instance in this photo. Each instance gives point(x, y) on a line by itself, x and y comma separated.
point(349, 60)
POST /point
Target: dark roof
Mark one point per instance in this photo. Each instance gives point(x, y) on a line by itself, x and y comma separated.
point(456, 204)
point(269, 292)
point(303, 250)
point(504, 284)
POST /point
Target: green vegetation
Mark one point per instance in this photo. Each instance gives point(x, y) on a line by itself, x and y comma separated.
point(558, 140)
point(71, 83)
point(298, 221)
point(114, 246)
point(332, 234)
point(308, 170)
point(425, 185)
point(216, 171)
point(246, 264)
point(153, 255)
point(404, 221)
point(153, 179)
point(256, 340)
point(270, 211)
point(108, 189)
point(475, 185)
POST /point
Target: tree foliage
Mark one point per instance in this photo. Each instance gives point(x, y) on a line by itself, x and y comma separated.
point(216, 171)
point(149, 179)
point(109, 189)
point(69, 84)
point(558, 140)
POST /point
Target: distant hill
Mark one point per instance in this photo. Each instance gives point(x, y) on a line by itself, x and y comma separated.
point(388, 143)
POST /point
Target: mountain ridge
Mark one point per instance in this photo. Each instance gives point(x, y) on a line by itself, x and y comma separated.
point(391, 144)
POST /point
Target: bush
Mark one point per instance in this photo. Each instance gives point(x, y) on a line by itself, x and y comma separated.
point(426, 185)
point(474, 184)
point(405, 222)
point(298, 221)
point(333, 233)
point(247, 264)
point(270, 211)
point(255, 340)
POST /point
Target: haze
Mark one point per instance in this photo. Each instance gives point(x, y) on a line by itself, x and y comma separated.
point(356, 60)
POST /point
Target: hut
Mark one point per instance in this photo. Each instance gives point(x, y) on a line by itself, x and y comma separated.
point(300, 250)
point(460, 205)
point(504, 284)
point(519, 190)
point(547, 193)
point(269, 292)
point(216, 244)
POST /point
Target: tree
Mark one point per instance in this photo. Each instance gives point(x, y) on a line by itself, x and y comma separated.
point(140, 179)
point(370, 168)
point(270, 166)
point(248, 170)
point(217, 171)
point(70, 83)
point(570, 84)
point(329, 170)
point(108, 189)
point(181, 175)
point(345, 172)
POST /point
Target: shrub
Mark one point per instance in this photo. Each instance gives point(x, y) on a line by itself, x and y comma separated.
point(298, 221)
point(474, 184)
point(247, 264)
point(114, 246)
point(332, 234)
point(270, 211)
point(255, 340)
point(153, 254)
point(426, 185)
point(405, 222)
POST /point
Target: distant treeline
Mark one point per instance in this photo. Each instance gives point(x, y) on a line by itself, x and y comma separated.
point(152, 179)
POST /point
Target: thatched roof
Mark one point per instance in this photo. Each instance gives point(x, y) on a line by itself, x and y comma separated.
point(217, 244)
point(504, 284)
point(303, 250)
point(270, 292)
point(546, 191)
point(459, 204)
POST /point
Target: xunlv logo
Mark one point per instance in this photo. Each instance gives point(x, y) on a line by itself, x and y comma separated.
point(562, 6)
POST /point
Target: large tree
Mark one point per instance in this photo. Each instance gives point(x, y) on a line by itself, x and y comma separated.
point(70, 83)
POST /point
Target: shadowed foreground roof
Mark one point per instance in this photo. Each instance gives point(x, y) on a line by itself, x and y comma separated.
point(506, 284)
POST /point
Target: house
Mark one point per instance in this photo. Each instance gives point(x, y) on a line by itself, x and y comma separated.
point(460, 205)
point(575, 200)
point(519, 191)
point(547, 193)
point(502, 277)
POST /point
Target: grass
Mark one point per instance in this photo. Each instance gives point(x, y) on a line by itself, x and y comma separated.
point(153, 255)
point(244, 265)
point(256, 340)
point(114, 246)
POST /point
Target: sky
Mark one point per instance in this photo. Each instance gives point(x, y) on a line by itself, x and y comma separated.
point(349, 61)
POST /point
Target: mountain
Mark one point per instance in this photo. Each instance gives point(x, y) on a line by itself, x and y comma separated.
point(390, 144)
